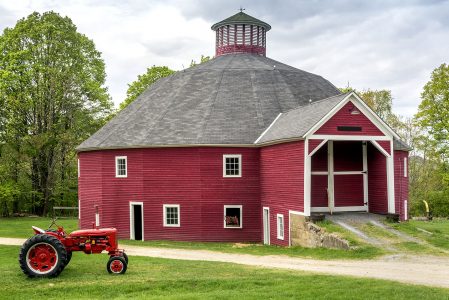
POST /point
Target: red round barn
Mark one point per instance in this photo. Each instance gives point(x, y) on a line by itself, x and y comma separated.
point(231, 149)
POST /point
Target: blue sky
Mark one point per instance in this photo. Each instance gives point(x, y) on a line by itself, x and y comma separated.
point(391, 45)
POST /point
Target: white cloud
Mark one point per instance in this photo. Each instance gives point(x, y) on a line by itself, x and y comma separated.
point(372, 44)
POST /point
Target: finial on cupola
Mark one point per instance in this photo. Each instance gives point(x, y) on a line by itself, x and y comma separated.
point(240, 33)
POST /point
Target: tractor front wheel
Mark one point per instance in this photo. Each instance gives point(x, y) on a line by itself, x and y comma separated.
point(116, 265)
point(42, 255)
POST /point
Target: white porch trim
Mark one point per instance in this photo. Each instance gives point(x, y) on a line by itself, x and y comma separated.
point(307, 178)
point(380, 148)
point(339, 208)
point(350, 137)
point(318, 147)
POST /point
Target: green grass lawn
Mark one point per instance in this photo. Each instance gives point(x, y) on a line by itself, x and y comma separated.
point(86, 278)
point(21, 228)
point(439, 229)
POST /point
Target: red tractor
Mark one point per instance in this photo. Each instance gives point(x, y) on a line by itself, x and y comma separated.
point(48, 252)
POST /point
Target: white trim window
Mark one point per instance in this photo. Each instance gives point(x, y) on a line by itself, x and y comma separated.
point(121, 166)
point(405, 166)
point(232, 165)
point(172, 215)
point(232, 216)
point(280, 226)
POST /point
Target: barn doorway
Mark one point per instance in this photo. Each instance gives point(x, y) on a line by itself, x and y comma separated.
point(266, 225)
point(349, 175)
point(136, 221)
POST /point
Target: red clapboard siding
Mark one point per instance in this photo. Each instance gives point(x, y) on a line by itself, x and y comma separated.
point(400, 182)
point(282, 184)
point(344, 118)
point(386, 145)
point(377, 181)
point(348, 190)
point(190, 177)
point(319, 191)
point(319, 160)
point(89, 187)
point(313, 144)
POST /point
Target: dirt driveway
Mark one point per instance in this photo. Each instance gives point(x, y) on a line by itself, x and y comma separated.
point(426, 270)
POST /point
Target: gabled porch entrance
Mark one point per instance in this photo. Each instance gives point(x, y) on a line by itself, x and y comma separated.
point(349, 175)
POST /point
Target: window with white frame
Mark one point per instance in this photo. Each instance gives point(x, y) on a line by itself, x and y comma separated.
point(232, 216)
point(405, 166)
point(232, 165)
point(121, 168)
point(280, 226)
point(172, 215)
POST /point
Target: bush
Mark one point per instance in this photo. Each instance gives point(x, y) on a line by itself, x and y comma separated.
point(438, 204)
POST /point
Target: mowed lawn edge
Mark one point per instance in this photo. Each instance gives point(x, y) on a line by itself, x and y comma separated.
point(20, 227)
point(154, 278)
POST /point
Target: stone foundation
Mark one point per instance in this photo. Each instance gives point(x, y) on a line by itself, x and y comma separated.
point(307, 234)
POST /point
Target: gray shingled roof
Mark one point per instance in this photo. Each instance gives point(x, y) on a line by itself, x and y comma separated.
point(241, 18)
point(230, 99)
point(296, 122)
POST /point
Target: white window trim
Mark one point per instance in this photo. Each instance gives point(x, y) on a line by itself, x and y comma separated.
point(279, 236)
point(116, 166)
point(405, 166)
point(165, 206)
point(241, 214)
point(239, 156)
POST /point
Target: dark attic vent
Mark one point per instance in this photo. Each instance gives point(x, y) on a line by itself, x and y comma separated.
point(349, 128)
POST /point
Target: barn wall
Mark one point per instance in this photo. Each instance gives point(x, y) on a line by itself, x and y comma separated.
point(377, 181)
point(344, 118)
point(282, 184)
point(190, 177)
point(400, 183)
point(89, 187)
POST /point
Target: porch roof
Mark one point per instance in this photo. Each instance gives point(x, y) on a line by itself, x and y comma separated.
point(296, 122)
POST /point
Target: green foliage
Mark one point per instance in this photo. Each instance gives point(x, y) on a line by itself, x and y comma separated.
point(143, 82)
point(433, 112)
point(379, 101)
point(52, 97)
point(203, 59)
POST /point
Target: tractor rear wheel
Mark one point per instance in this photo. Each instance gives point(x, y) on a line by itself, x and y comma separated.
point(42, 255)
point(125, 257)
point(68, 258)
point(116, 265)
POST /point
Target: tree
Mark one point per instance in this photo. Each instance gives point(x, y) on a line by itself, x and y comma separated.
point(203, 59)
point(53, 96)
point(380, 101)
point(433, 112)
point(143, 82)
point(152, 75)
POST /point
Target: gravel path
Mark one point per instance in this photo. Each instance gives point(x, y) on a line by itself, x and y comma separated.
point(426, 270)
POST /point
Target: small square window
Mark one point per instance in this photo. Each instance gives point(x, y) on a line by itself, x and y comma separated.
point(121, 166)
point(232, 165)
point(171, 215)
point(280, 226)
point(232, 216)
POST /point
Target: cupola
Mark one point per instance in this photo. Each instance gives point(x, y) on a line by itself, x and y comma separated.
point(240, 33)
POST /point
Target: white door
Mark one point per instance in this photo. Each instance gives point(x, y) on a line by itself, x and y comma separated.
point(266, 225)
